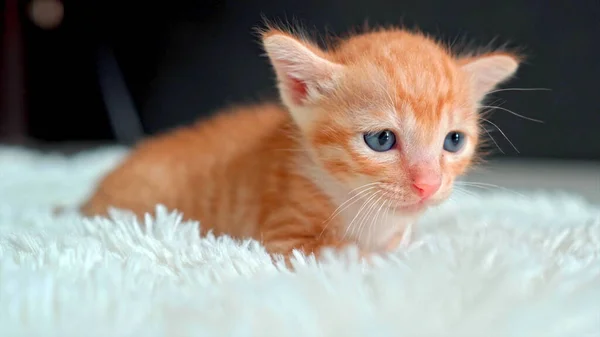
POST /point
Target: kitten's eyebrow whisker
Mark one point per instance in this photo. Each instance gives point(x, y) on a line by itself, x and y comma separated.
point(392, 101)
point(519, 89)
point(502, 132)
point(512, 112)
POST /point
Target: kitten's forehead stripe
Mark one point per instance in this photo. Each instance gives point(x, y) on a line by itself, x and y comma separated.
point(400, 81)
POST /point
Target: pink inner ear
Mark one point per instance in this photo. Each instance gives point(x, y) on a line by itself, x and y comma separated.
point(297, 90)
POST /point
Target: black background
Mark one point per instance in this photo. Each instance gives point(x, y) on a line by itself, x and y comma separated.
point(184, 59)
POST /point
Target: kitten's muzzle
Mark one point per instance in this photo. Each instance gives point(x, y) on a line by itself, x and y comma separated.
point(425, 182)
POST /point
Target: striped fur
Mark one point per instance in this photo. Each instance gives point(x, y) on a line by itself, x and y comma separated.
point(299, 175)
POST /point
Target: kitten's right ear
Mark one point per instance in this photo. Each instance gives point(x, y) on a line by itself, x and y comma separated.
point(489, 70)
point(303, 72)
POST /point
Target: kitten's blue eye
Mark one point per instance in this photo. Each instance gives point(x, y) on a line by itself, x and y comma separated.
point(454, 141)
point(380, 141)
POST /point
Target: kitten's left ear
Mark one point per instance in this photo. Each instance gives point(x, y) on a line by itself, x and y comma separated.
point(489, 70)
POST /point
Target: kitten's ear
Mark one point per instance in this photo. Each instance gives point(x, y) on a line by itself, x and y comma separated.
point(489, 70)
point(303, 73)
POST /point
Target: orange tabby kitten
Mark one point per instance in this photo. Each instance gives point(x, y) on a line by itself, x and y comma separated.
point(370, 133)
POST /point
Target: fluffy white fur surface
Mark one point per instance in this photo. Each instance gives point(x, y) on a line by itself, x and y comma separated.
point(495, 265)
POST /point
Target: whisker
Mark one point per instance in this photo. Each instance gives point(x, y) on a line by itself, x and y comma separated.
point(519, 89)
point(345, 204)
point(360, 221)
point(462, 182)
point(502, 132)
point(465, 192)
point(374, 195)
point(375, 219)
point(512, 112)
point(379, 211)
point(388, 210)
point(363, 194)
point(367, 212)
point(486, 186)
point(392, 102)
point(365, 218)
point(379, 218)
point(494, 141)
point(365, 185)
point(364, 204)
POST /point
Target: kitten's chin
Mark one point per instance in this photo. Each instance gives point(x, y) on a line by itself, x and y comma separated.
point(411, 209)
point(416, 208)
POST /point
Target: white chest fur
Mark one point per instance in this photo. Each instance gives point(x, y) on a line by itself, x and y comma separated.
point(371, 224)
point(363, 217)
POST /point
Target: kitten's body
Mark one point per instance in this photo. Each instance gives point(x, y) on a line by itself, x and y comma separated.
point(280, 173)
point(243, 173)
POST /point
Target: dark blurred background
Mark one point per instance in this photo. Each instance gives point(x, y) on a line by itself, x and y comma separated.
point(182, 60)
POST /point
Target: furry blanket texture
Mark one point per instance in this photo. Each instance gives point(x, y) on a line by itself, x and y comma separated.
point(498, 264)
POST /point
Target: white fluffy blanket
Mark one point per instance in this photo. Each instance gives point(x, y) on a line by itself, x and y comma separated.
point(496, 265)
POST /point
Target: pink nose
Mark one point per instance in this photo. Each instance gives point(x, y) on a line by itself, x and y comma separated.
point(426, 186)
point(426, 190)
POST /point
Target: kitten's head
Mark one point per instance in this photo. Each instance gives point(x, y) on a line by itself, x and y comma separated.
point(390, 108)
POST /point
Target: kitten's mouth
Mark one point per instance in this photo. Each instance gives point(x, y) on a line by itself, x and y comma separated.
point(408, 208)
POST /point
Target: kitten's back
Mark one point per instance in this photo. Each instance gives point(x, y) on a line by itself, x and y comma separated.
point(187, 168)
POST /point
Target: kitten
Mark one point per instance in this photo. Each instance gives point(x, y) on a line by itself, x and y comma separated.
point(370, 134)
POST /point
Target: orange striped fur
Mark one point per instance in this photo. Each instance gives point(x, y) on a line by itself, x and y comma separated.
point(299, 175)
